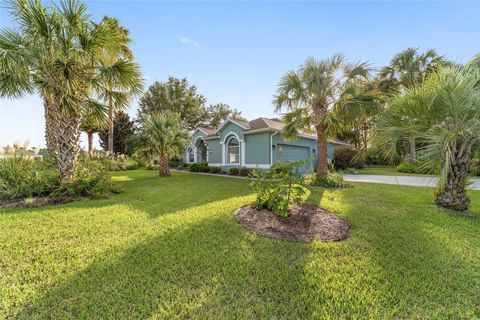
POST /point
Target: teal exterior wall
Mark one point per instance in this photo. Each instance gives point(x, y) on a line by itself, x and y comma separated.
point(214, 151)
point(231, 127)
point(257, 148)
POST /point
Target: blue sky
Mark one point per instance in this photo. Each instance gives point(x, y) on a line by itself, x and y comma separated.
point(235, 52)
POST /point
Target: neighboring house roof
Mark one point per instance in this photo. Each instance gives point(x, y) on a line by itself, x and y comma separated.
point(261, 124)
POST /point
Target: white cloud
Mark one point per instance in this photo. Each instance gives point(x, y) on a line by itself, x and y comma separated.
point(189, 41)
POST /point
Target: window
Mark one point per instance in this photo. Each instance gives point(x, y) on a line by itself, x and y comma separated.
point(191, 157)
point(233, 151)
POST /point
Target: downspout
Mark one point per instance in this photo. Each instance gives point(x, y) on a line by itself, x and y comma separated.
point(271, 147)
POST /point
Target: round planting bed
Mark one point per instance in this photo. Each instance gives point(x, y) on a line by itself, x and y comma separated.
point(304, 223)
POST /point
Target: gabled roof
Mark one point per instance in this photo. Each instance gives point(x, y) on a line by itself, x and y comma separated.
point(261, 124)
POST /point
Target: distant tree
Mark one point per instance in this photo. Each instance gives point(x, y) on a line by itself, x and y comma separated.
point(218, 113)
point(176, 95)
point(160, 135)
point(123, 129)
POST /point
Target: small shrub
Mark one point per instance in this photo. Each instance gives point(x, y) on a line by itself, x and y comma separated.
point(91, 179)
point(331, 180)
point(22, 176)
point(199, 167)
point(215, 170)
point(417, 168)
point(474, 167)
point(346, 157)
point(175, 162)
point(233, 171)
point(244, 172)
point(279, 187)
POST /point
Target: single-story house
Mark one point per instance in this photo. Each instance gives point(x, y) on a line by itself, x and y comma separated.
point(252, 144)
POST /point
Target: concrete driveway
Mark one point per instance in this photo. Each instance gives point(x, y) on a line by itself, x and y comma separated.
point(416, 181)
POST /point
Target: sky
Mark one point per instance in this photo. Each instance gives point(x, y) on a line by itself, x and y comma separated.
point(236, 52)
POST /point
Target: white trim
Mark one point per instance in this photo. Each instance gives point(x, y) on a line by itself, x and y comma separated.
point(223, 153)
point(228, 136)
point(239, 151)
point(259, 166)
point(194, 154)
point(227, 121)
point(196, 139)
point(198, 129)
point(271, 147)
point(212, 138)
point(242, 152)
point(188, 154)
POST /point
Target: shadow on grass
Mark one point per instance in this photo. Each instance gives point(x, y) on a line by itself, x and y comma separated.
point(210, 269)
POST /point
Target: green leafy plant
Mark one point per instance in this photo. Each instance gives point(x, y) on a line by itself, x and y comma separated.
point(279, 188)
point(199, 167)
point(331, 180)
point(233, 171)
point(91, 180)
point(244, 172)
point(215, 170)
point(346, 157)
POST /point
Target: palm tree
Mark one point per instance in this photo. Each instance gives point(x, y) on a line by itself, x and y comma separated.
point(447, 106)
point(92, 122)
point(314, 96)
point(59, 53)
point(407, 69)
point(160, 134)
point(117, 92)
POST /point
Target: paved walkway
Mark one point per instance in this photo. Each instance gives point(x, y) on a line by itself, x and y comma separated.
point(416, 181)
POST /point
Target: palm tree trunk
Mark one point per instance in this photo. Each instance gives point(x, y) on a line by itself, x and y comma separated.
point(110, 126)
point(322, 162)
point(413, 151)
point(50, 129)
point(163, 168)
point(90, 143)
point(68, 137)
point(453, 196)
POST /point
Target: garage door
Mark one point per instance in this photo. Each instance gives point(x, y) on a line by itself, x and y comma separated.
point(292, 153)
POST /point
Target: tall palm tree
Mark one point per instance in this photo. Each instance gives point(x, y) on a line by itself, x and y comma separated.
point(117, 92)
point(447, 106)
point(161, 134)
point(314, 96)
point(59, 53)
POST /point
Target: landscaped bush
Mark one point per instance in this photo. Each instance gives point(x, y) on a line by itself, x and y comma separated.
point(215, 170)
point(346, 157)
point(474, 167)
point(151, 166)
point(199, 167)
point(417, 168)
point(91, 179)
point(175, 162)
point(233, 171)
point(244, 172)
point(279, 187)
point(22, 177)
point(331, 180)
point(116, 163)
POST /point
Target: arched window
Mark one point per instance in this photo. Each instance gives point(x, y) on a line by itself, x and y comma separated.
point(233, 151)
point(191, 156)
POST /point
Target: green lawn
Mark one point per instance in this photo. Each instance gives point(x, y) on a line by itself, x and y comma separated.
point(170, 248)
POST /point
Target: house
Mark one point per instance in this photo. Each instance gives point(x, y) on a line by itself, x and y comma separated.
point(252, 144)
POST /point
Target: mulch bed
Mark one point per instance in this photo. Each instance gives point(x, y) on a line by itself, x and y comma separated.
point(20, 203)
point(304, 223)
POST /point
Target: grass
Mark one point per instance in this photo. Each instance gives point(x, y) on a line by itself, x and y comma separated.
point(170, 248)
